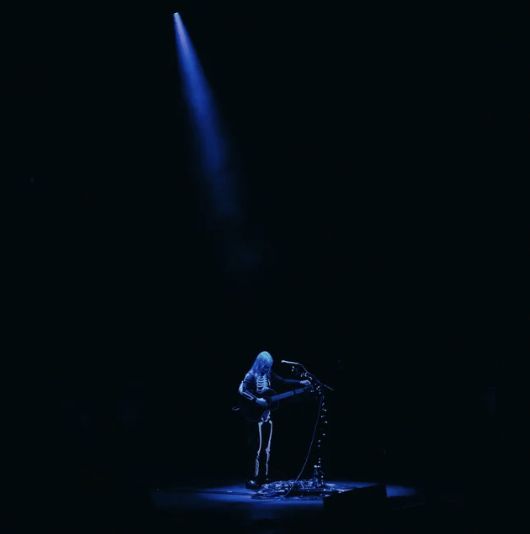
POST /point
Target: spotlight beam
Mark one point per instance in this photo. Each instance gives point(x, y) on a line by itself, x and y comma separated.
point(211, 143)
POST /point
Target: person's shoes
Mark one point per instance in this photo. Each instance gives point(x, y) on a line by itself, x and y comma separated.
point(253, 485)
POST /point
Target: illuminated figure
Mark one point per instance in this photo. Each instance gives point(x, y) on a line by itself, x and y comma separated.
point(255, 387)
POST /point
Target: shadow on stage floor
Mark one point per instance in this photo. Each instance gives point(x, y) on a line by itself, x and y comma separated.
point(227, 506)
point(352, 506)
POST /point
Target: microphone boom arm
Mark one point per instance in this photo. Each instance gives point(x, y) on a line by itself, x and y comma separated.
point(307, 373)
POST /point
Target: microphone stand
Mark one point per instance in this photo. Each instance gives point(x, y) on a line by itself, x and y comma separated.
point(316, 485)
point(317, 481)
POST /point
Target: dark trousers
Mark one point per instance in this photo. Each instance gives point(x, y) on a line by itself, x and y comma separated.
point(259, 438)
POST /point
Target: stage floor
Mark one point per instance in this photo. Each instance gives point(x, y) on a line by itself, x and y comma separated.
point(233, 508)
point(219, 494)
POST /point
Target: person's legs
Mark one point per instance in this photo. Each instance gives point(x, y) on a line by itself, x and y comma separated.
point(253, 450)
point(259, 441)
point(267, 440)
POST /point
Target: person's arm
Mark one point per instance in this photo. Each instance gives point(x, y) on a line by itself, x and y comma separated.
point(245, 391)
point(245, 388)
point(288, 381)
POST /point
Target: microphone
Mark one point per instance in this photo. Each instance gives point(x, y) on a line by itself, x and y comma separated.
point(290, 363)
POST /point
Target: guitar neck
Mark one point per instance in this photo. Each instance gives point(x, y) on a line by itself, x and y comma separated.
point(287, 394)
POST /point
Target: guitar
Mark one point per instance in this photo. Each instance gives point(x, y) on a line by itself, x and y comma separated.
point(252, 412)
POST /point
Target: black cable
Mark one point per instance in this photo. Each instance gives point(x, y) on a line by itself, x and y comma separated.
point(321, 399)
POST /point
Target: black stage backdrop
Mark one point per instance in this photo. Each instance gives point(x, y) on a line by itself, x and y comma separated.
point(379, 241)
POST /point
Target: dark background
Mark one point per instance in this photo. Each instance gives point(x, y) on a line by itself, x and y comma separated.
point(379, 166)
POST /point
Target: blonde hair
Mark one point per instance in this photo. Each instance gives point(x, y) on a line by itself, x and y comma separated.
point(262, 364)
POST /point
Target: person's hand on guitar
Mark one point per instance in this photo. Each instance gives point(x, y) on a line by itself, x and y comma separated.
point(261, 402)
point(305, 383)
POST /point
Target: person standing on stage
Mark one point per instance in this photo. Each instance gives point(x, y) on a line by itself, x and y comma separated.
point(257, 380)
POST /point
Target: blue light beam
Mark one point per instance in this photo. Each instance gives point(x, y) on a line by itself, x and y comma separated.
point(211, 142)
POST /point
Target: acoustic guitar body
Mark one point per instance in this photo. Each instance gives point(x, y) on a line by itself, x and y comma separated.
point(252, 412)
